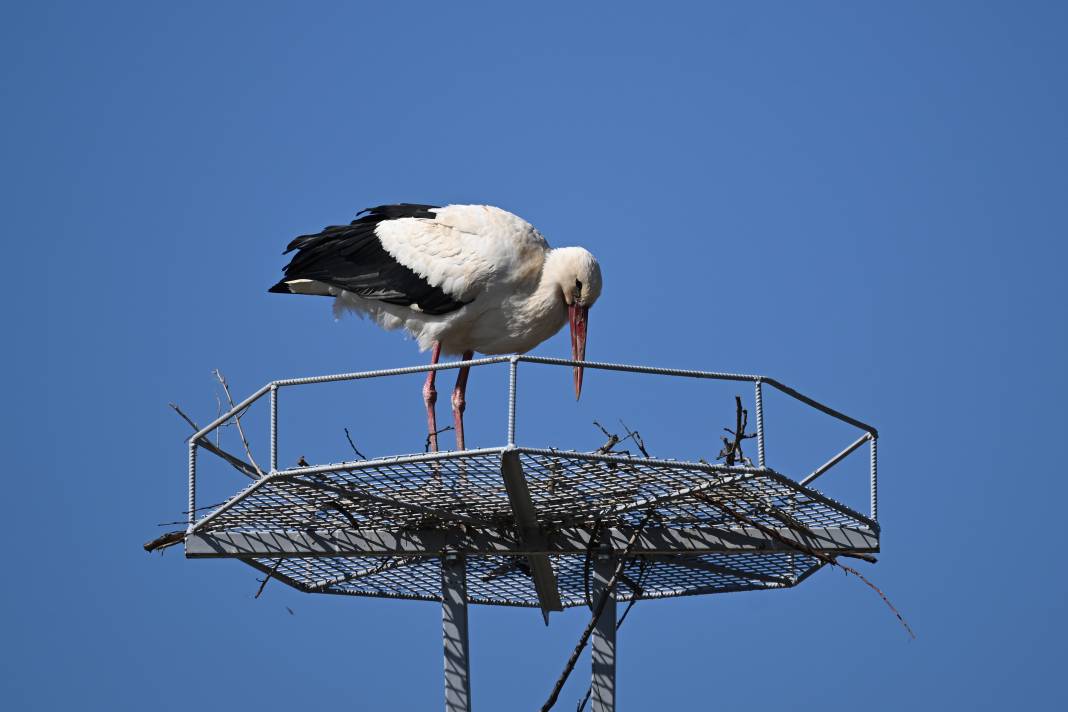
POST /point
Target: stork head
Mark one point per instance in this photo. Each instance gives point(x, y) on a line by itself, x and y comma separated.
point(579, 277)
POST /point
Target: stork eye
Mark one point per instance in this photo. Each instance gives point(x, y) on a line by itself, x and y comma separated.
point(578, 285)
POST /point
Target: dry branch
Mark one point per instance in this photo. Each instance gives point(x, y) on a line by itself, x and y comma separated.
point(636, 587)
point(268, 577)
point(353, 445)
point(166, 540)
point(804, 549)
point(602, 601)
point(732, 448)
point(633, 435)
point(426, 445)
point(237, 463)
point(614, 440)
point(237, 420)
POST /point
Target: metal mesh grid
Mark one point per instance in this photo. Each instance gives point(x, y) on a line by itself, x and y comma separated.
point(505, 580)
point(567, 489)
point(392, 494)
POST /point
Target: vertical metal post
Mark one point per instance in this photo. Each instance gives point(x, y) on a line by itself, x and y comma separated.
point(513, 372)
point(874, 480)
point(603, 655)
point(192, 482)
point(759, 396)
point(274, 427)
point(454, 633)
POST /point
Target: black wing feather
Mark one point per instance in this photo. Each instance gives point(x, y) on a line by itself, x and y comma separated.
point(351, 257)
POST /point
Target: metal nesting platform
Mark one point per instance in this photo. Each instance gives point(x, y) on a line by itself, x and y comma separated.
point(523, 526)
point(378, 528)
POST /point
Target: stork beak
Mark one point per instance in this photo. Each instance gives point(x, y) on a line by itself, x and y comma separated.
point(578, 316)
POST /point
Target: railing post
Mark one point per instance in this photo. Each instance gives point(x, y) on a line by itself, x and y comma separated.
point(874, 480)
point(759, 397)
point(274, 427)
point(513, 372)
point(192, 481)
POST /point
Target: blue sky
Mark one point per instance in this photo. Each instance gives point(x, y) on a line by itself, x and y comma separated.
point(864, 201)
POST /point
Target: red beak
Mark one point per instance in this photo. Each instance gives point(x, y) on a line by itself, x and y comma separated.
point(578, 316)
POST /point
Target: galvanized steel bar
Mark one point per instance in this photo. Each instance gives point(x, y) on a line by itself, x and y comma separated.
point(820, 406)
point(686, 373)
point(604, 366)
point(759, 397)
point(230, 503)
point(702, 590)
point(496, 541)
point(379, 462)
point(274, 427)
point(836, 459)
point(648, 461)
point(526, 519)
point(513, 368)
point(454, 633)
point(598, 365)
point(358, 375)
point(192, 483)
point(874, 480)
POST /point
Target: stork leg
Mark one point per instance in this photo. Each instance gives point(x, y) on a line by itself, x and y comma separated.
point(459, 404)
point(430, 397)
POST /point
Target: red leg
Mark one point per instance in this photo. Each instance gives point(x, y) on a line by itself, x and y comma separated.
point(459, 404)
point(430, 397)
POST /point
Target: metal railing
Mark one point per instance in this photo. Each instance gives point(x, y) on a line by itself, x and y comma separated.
point(870, 435)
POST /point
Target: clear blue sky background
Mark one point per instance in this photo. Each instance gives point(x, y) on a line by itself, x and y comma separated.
point(865, 201)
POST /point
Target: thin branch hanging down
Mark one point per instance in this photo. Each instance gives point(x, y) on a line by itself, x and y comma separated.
point(602, 601)
point(359, 454)
point(804, 549)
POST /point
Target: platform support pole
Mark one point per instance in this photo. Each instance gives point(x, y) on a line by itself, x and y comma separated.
point(454, 633)
point(603, 655)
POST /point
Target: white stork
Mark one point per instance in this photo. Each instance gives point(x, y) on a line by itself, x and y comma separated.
point(459, 279)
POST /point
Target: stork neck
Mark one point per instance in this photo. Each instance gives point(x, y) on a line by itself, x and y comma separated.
point(547, 299)
point(550, 289)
